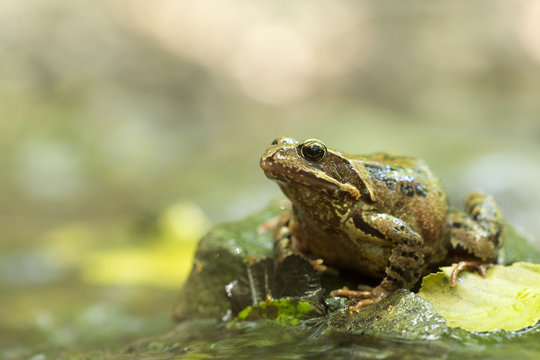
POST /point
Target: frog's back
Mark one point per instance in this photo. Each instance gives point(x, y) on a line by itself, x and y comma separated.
point(397, 179)
point(394, 160)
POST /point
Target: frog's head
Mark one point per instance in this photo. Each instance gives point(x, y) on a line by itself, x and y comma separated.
point(309, 168)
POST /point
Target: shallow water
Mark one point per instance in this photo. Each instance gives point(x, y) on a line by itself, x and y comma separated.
point(265, 339)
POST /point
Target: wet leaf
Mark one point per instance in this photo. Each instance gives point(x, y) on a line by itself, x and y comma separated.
point(508, 298)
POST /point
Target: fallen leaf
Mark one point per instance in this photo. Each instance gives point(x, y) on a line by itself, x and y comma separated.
point(508, 298)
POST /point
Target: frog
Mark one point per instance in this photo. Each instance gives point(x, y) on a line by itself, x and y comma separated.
point(382, 216)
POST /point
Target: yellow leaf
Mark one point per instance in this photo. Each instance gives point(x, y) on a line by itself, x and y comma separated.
point(162, 266)
point(508, 298)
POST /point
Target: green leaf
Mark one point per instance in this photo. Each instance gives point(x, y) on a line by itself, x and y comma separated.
point(508, 298)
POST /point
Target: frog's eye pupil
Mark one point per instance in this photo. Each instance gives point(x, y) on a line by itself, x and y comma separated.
point(313, 151)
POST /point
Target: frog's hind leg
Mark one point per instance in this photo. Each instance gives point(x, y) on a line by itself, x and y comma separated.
point(478, 232)
point(406, 261)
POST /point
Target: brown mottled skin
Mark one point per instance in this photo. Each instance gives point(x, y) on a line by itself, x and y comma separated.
point(383, 216)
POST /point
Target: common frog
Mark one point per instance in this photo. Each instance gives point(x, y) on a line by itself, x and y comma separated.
point(381, 215)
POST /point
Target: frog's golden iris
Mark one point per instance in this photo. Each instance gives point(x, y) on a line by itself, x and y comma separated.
point(312, 150)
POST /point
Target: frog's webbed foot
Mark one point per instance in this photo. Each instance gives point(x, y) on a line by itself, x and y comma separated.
point(479, 266)
point(369, 297)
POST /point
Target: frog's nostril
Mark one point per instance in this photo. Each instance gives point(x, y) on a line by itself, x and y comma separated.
point(284, 140)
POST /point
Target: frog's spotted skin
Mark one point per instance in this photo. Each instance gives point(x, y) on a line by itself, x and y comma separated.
point(384, 216)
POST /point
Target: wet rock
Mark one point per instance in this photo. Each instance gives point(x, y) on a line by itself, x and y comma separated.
point(237, 301)
point(221, 257)
point(235, 277)
point(400, 315)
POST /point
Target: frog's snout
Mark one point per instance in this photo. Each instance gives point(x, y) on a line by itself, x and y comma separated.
point(267, 158)
point(278, 151)
point(275, 158)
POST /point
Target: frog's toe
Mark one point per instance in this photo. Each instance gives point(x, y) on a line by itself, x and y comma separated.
point(479, 266)
point(268, 225)
point(369, 301)
point(362, 294)
point(318, 265)
point(368, 297)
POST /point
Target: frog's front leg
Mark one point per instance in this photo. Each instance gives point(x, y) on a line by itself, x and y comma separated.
point(478, 231)
point(286, 244)
point(406, 260)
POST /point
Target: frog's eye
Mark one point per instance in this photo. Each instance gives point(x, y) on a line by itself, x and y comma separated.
point(313, 150)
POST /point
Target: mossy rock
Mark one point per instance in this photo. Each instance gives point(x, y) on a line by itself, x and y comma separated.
point(221, 257)
point(244, 304)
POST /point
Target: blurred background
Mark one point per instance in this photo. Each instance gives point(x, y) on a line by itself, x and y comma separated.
point(128, 128)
